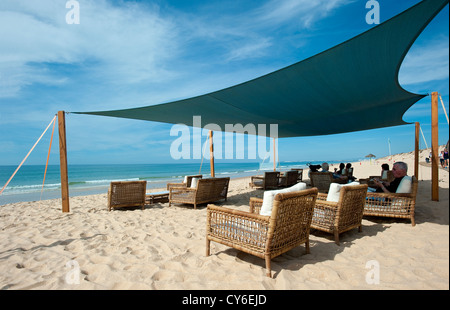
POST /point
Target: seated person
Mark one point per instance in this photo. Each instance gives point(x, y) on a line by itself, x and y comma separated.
point(325, 167)
point(384, 171)
point(399, 170)
point(341, 168)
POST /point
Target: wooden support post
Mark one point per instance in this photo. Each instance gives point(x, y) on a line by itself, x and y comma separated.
point(434, 148)
point(211, 153)
point(416, 152)
point(63, 162)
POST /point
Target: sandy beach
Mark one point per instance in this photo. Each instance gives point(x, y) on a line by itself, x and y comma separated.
point(162, 247)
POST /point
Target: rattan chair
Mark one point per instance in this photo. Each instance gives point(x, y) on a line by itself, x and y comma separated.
point(126, 194)
point(270, 180)
point(393, 204)
point(388, 177)
point(186, 182)
point(322, 180)
point(290, 178)
point(345, 214)
point(207, 190)
point(264, 236)
point(300, 174)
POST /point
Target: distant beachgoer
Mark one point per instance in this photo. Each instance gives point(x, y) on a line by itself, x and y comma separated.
point(441, 159)
point(446, 157)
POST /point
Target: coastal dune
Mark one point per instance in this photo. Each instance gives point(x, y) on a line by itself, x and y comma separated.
point(163, 247)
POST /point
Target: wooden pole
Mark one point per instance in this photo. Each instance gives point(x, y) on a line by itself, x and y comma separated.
point(211, 153)
point(416, 152)
point(434, 148)
point(63, 162)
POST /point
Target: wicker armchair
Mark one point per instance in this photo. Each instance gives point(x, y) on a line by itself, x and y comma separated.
point(186, 182)
point(322, 180)
point(300, 174)
point(388, 177)
point(268, 181)
point(264, 236)
point(343, 215)
point(126, 194)
point(393, 204)
point(207, 190)
point(290, 178)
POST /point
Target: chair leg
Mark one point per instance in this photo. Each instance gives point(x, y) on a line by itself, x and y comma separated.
point(307, 247)
point(413, 221)
point(208, 242)
point(360, 228)
point(336, 237)
point(268, 268)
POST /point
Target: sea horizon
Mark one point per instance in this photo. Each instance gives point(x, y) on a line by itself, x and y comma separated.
point(92, 179)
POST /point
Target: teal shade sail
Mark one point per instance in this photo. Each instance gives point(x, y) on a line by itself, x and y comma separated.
point(350, 87)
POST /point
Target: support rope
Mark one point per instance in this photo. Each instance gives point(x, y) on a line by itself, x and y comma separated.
point(54, 118)
point(48, 156)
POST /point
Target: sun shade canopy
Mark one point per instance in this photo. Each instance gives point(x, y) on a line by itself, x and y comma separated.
point(350, 87)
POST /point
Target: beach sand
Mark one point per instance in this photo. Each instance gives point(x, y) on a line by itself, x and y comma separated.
point(163, 247)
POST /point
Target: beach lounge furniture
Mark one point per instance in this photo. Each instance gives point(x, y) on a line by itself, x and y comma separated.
point(387, 176)
point(186, 182)
point(270, 180)
point(126, 194)
point(206, 190)
point(288, 179)
point(396, 205)
point(264, 236)
point(341, 209)
point(300, 174)
point(322, 180)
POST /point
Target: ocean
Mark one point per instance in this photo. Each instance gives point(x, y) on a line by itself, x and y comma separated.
point(95, 179)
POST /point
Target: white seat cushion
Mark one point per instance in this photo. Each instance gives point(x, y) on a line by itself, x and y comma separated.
point(266, 208)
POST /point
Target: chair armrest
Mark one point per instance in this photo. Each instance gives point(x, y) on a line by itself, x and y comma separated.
point(170, 185)
point(322, 196)
point(323, 204)
point(255, 205)
point(389, 195)
point(237, 213)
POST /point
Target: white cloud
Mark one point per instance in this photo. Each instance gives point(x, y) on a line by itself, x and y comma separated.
point(426, 63)
point(131, 43)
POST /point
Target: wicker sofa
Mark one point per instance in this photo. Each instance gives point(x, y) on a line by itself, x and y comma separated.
point(393, 204)
point(206, 190)
point(266, 237)
point(126, 194)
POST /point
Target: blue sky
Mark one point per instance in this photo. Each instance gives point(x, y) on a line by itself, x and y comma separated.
point(126, 54)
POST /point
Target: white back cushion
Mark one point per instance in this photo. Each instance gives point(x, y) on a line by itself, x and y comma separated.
point(405, 185)
point(335, 191)
point(194, 182)
point(266, 208)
